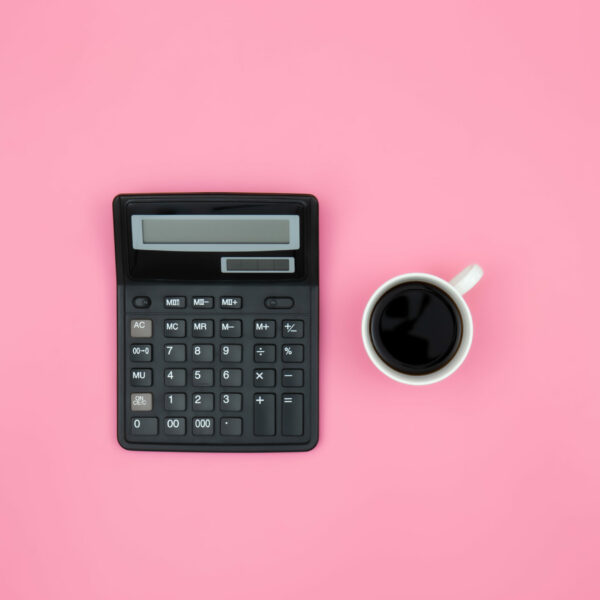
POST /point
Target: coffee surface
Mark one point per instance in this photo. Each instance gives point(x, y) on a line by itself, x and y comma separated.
point(416, 328)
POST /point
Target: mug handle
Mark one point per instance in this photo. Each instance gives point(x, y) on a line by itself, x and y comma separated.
point(466, 279)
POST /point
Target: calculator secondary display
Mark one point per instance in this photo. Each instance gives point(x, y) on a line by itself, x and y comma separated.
point(215, 233)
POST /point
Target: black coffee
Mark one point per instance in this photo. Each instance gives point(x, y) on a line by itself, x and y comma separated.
point(416, 328)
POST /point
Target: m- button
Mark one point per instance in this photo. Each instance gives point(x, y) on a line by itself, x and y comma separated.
point(141, 328)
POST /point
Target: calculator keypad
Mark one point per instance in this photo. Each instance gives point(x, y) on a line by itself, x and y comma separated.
point(213, 369)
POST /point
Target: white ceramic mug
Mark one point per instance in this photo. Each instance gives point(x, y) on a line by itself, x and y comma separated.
point(455, 289)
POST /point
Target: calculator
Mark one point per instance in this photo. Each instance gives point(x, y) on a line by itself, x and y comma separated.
point(217, 322)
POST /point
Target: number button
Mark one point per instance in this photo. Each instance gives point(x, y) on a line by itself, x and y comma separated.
point(231, 353)
point(264, 353)
point(264, 329)
point(202, 352)
point(175, 353)
point(140, 352)
point(140, 328)
point(204, 401)
point(175, 401)
point(231, 328)
point(175, 328)
point(175, 426)
point(203, 426)
point(264, 377)
point(231, 402)
point(175, 377)
point(292, 329)
point(231, 377)
point(141, 402)
point(203, 377)
point(231, 426)
point(144, 426)
point(203, 328)
point(141, 377)
point(292, 377)
point(292, 353)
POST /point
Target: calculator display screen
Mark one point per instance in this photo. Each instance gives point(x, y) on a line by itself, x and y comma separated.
point(214, 233)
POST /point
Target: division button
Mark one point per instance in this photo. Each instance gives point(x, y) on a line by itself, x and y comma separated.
point(291, 414)
point(140, 402)
point(140, 328)
point(141, 377)
point(264, 414)
point(175, 302)
point(203, 302)
point(278, 302)
point(231, 302)
point(141, 302)
point(144, 426)
point(231, 426)
point(264, 353)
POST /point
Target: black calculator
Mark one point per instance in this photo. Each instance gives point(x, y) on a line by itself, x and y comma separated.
point(218, 320)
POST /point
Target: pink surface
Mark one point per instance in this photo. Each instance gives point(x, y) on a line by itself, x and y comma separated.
point(434, 134)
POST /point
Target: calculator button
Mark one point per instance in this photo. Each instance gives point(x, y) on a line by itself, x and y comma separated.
point(203, 426)
point(291, 414)
point(292, 329)
point(264, 353)
point(264, 329)
point(203, 352)
point(141, 377)
point(292, 353)
point(203, 302)
point(203, 328)
point(231, 328)
point(141, 402)
point(231, 377)
point(264, 377)
point(175, 302)
point(231, 426)
point(174, 377)
point(231, 353)
point(203, 377)
point(231, 302)
point(292, 377)
point(141, 328)
point(175, 401)
point(175, 328)
point(264, 414)
point(174, 352)
point(231, 402)
point(141, 302)
point(273, 302)
point(175, 426)
point(144, 426)
point(204, 401)
point(140, 352)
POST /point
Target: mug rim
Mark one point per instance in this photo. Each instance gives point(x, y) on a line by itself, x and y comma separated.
point(461, 352)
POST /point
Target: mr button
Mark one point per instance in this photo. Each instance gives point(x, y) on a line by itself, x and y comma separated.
point(141, 328)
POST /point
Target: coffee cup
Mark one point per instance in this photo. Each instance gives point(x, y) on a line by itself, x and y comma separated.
point(417, 328)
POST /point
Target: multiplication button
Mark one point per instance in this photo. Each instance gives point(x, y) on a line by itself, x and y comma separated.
point(264, 377)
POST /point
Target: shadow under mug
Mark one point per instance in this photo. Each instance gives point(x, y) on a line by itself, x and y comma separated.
point(454, 289)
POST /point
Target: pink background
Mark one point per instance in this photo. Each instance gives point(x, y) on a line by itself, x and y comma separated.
point(434, 134)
